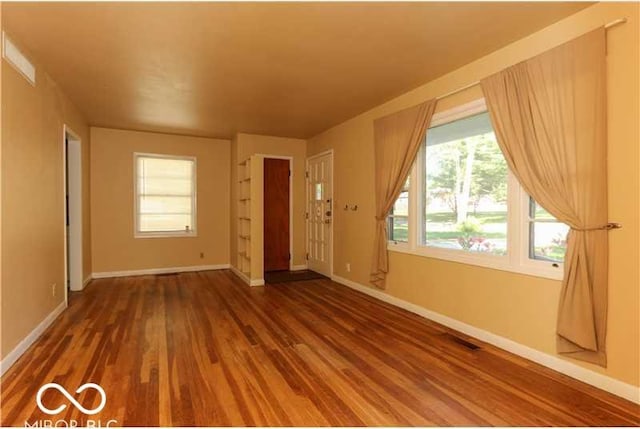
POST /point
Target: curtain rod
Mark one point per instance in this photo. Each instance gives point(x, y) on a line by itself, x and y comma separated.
point(612, 24)
point(615, 23)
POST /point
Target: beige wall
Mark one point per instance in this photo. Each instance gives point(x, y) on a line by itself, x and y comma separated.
point(519, 307)
point(2, 352)
point(245, 145)
point(33, 199)
point(114, 247)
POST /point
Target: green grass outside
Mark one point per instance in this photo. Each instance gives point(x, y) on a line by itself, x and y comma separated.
point(555, 253)
point(483, 217)
point(401, 232)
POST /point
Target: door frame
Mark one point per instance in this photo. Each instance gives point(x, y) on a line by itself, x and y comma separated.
point(73, 249)
point(333, 205)
point(290, 159)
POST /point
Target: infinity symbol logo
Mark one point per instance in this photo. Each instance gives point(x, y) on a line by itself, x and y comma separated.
point(75, 403)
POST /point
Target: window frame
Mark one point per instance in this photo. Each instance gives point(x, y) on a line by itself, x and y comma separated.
point(517, 258)
point(193, 232)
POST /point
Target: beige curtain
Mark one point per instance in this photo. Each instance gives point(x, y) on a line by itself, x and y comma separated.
point(549, 115)
point(397, 139)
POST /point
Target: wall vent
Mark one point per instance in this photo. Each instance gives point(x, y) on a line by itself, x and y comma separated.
point(17, 59)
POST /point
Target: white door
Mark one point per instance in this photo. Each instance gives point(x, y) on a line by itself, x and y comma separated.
point(319, 213)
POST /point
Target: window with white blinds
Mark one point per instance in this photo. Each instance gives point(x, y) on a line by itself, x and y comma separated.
point(165, 191)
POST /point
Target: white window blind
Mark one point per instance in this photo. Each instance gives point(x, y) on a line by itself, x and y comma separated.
point(165, 195)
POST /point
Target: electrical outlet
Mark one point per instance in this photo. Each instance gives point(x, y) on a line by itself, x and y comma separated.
point(53, 290)
point(201, 255)
point(348, 267)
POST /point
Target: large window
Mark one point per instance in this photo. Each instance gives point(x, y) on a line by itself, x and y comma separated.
point(165, 196)
point(466, 206)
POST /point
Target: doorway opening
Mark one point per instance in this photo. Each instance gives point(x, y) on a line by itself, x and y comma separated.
point(319, 213)
point(277, 218)
point(72, 211)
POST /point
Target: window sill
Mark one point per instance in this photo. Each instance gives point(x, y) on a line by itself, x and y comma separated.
point(502, 263)
point(165, 235)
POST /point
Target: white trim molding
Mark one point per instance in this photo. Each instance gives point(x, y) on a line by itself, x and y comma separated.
point(87, 281)
point(22, 347)
point(601, 381)
point(244, 278)
point(299, 267)
point(152, 271)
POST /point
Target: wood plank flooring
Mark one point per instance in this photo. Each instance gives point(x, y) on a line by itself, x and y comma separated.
point(204, 349)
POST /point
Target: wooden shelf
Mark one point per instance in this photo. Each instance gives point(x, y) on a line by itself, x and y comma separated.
point(244, 215)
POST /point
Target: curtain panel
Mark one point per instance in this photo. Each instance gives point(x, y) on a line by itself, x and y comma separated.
point(549, 116)
point(397, 139)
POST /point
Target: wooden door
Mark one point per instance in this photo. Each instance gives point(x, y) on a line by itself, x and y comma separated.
point(319, 213)
point(276, 214)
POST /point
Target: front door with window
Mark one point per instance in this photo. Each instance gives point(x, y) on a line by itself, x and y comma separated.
point(319, 213)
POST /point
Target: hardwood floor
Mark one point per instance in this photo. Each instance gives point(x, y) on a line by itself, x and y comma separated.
point(204, 349)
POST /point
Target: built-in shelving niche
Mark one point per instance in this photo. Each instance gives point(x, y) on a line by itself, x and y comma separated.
point(250, 182)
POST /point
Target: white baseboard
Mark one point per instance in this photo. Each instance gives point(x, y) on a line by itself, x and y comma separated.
point(601, 381)
point(152, 271)
point(299, 267)
point(247, 280)
point(87, 280)
point(22, 347)
point(82, 285)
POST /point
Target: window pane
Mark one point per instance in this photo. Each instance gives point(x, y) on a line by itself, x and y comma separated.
point(401, 206)
point(164, 186)
point(165, 194)
point(466, 187)
point(537, 212)
point(399, 229)
point(398, 224)
point(547, 236)
point(164, 222)
point(164, 167)
point(165, 204)
point(318, 191)
point(548, 241)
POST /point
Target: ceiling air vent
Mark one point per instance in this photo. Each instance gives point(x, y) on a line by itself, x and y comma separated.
point(12, 54)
